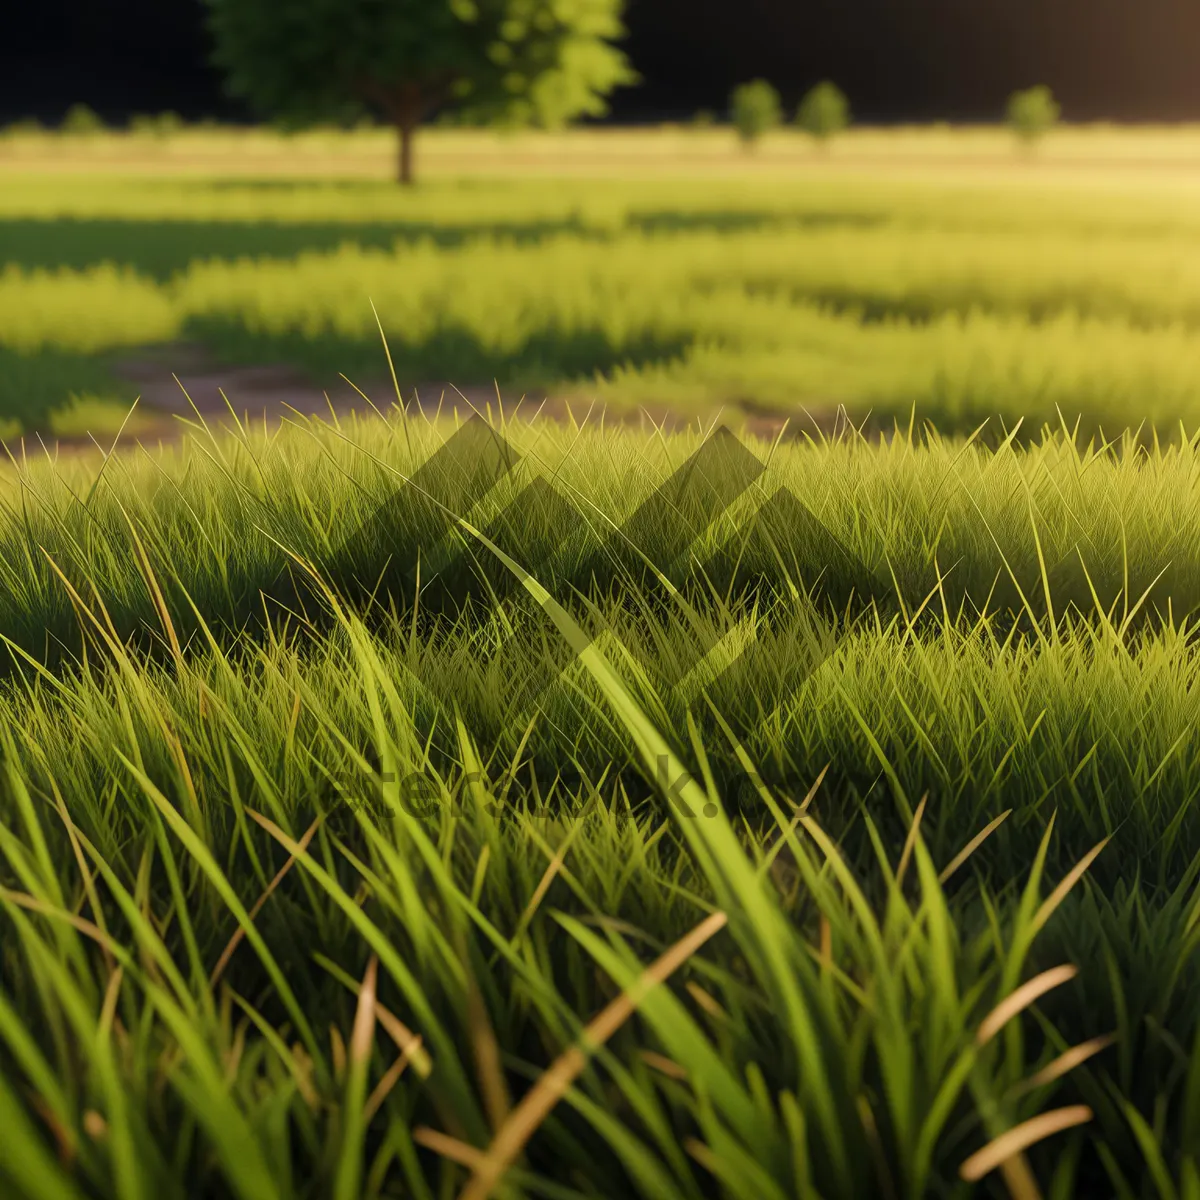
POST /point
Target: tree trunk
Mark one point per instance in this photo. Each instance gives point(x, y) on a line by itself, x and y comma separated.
point(404, 164)
point(406, 106)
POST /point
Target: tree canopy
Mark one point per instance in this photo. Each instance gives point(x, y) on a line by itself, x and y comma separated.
point(1033, 112)
point(755, 108)
point(824, 111)
point(538, 62)
point(81, 121)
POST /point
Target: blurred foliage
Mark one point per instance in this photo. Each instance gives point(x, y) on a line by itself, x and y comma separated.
point(970, 302)
point(81, 121)
point(161, 127)
point(756, 109)
point(1033, 113)
point(824, 111)
point(515, 62)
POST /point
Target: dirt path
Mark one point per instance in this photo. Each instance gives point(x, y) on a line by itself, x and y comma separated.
point(176, 382)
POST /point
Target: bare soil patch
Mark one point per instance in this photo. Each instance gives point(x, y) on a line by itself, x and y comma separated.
point(179, 384)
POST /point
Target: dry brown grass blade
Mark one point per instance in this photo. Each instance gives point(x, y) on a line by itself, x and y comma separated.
point(1021, 999)
point(1019, 1179)
point(81, 924)
point(384, 1087)
point(302, 1069)
point(362, 1036)
point(1068, 1060)
point(524, 1120)
point(240, 932)
point(64, 1138)
point(1072, 877)
point(448, 1147)
point(232, 1058)
point(109, 1008)
point(407, 1042)
point(660, 1062)
point(496, 1100)
point(826, 944)
point(548, 877)
point(337, 1052)
point(707, 1002)
point(94, 1125)
point(702, 1154)
point(1020, 1138)
point(974, 844)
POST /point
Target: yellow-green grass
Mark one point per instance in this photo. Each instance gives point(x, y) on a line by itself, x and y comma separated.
point(664, 148)
point(827, 1030)
point(85, 417)
point(1005, 293)
point(971, 539)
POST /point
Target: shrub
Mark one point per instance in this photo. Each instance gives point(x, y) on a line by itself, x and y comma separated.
point(755, 108)
point(25, 127)
point(163, 126)
point(1033, 113)
point(824, 112)
point(81, 121)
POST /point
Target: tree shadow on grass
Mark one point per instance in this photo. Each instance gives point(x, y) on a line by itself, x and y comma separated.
point(546, 357)
point(161, 248)
point(32, 385)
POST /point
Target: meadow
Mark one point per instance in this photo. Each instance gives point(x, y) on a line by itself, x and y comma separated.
point(577, 807)
point(910, 846)
point(937, 270)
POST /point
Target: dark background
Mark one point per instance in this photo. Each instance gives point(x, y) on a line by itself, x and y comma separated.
point(897, 59)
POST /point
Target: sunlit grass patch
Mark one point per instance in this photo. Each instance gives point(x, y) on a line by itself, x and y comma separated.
point(967, 298)
point(930, 898)
point(99, 416)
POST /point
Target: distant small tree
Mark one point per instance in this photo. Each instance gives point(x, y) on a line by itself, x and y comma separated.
point(824, 111)
point(755, 109)
point(81, 121)
point(24, 127)
point(160, 127)
point(704, 119)
point(1033, 113)
point(541, 62)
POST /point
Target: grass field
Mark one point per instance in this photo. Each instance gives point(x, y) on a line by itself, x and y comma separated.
point(940, 269)
point(584, 808)
point(939, 742)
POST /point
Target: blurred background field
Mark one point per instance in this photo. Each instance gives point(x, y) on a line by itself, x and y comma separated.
point(942, 269)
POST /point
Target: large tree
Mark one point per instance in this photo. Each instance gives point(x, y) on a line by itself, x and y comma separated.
point(526, 61)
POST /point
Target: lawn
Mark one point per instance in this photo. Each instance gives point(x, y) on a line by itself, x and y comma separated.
point(941, 270)
point(848, 743)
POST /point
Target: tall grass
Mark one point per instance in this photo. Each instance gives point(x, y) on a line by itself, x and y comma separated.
point(967, 301)
point(932, 920)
